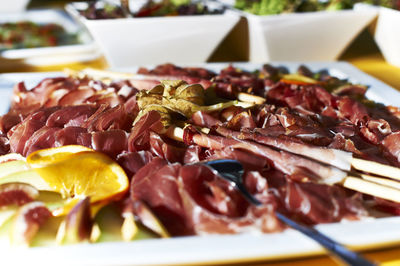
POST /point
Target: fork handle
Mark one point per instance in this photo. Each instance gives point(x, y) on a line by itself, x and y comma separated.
point(339, 251)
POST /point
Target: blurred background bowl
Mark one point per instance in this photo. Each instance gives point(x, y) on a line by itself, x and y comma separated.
point(386, 32)
point(155, 40)
point(310, 36)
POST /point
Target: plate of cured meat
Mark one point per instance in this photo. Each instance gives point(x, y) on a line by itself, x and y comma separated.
point(110, 167)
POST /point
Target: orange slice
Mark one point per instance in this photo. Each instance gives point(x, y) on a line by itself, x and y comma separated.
point(78, 172)
point(53, 155)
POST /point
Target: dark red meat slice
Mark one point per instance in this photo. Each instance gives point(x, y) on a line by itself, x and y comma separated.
point(191, 199)
point(140, 136)
point(20, 134)
point(314, 203)
point(41, 139)
point(111, 142)
point(68, 136)
point(132, 162)
point(70, 116)
point(170, 152)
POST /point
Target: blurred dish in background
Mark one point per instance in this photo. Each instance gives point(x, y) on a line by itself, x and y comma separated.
point(28, 34)
point(274, 7)
point(387, 29)
point(107, 10)
point(394, 4)
point(154, 40)
point(37, 38)
point(314, 36)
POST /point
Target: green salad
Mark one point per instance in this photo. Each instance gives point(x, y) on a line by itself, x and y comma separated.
point(272, 7)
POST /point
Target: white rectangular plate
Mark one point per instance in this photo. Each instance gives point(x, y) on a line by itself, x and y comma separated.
point(359, 235)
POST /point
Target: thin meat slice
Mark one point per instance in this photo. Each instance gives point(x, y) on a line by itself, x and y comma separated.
point(9, 120)
point(204, 119)
point(20, 133)
point(140, 135)
point(4, 145)
point(296, 166)
point(76, 97)
point(161, 148)
point(334, 157)
point(42, 139)
point(25, 101)
point(248, 160)
point(68, 136)
point(70, 115)
point(191, 199)
point(155, 184)
point(132, 162)
point(111, 118)
point(110, 142)
point(314, 203)
point(392, 145)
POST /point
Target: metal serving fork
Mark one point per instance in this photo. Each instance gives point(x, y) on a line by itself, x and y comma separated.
point(232, 171)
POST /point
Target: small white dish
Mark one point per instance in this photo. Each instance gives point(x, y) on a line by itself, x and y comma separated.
point(155, 40)
point(308, 36)
point(386, 32)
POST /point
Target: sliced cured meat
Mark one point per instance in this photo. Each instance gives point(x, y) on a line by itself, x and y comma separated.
point(4, 145)
point(70, 116)
point(140, 136)
point(249, 161)
point(204, 119)
point(112, 118)
point(173, 70)
point(314, 203)
point(68, 136)
point(297, 167)
point(20, 133)
point(193, 200)
point(110, 142)
point(132, 162)
point(170, 152)
point(78, 96)
point(392, 144)
point(9, 120)
point(42, 139)
point(317, 153)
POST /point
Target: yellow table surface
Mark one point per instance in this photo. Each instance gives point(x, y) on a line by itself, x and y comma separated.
point(363, 53)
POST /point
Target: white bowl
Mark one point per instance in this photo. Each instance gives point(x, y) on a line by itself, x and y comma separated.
point(386, 32)
point(310, 36)
point(154, 40)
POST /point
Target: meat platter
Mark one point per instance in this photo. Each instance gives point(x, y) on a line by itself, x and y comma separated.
point(344, 219)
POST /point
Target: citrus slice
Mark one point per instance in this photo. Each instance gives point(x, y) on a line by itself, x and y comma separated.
point(77, 172)
point(53, 155)
point(16, 169)
point(11, 157)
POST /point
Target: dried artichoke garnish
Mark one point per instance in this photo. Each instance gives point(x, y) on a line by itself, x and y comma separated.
point(176, 96)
